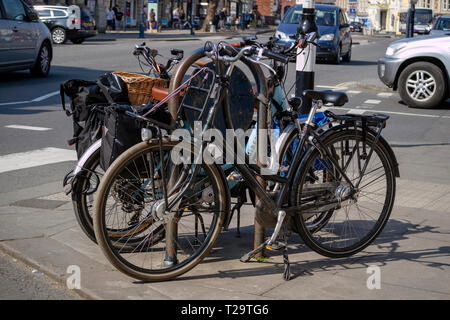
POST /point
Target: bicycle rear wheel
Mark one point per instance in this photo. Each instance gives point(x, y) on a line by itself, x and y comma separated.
point(345, 227)
point(189, 232)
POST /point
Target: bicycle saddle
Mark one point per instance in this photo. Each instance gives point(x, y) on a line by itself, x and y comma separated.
point(336, 98)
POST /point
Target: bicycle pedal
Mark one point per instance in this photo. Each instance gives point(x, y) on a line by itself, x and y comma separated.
point(276, 246)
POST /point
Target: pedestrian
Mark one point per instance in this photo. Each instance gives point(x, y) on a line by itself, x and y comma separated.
point(114, 19)
point(215, 22)
point(222, 18)
point(144, 20)
point(119, 16)
point(175, 16)
point(152, 19)
point(109, 19)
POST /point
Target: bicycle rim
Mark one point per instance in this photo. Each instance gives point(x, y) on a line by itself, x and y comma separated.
point(185, 240)
point(350, 225)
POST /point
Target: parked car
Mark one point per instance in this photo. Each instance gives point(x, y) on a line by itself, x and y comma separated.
point(419, 68)
point(441, 26)
point(67, 23)
point(335, 40)
point(356, 26)
point(25, 42)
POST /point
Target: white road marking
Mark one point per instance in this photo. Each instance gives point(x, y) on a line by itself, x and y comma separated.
point(353, 92)
point(332, 87)
point(35, 158)
point(11, 103)
point(38, 99)
point(363, 107)
point(371, 101)
point(384, 94)
point(393, 112)
point(45, 96)
point(18, 126)
point(356, 111)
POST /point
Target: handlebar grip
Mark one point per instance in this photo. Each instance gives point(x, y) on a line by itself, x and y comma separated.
point(275, 56)
point(229, 50)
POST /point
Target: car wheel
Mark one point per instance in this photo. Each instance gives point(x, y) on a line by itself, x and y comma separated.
point(41, 67)
point(337, 58)
point(422, 85)
point(348, 56)
point(59, 35)
point(77, 41)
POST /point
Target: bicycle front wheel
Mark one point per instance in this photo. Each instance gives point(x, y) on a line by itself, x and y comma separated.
point(329, 225)
point(128, 198)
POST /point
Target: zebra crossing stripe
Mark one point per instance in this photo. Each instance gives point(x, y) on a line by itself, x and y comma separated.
point(35, 158)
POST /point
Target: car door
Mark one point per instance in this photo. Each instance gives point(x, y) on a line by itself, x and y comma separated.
point(24, 39)
point(344, 30)
point(6, 35)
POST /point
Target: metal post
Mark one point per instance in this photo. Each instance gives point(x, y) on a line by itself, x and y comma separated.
point(192, 18)
point(411, 14)
point(306, 60)
point(260, 231)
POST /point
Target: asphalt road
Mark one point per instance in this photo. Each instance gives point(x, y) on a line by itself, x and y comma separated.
point(420, 137)
point(20, 282)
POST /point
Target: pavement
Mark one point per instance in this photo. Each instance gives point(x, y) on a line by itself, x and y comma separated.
point(176, 35)
point(412, 253)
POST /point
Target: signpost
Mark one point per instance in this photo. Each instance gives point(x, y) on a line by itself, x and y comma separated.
point(306, 58)
point(410, 19)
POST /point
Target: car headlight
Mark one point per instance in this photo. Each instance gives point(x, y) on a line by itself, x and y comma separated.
point(327, 37)
point(280, 35)
point(394, 48)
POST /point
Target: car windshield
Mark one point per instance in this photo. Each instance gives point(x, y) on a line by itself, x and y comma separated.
point(442, 24)
point(324, 17)
point(423, 18)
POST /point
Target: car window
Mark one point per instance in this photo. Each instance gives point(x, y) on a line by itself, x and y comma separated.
point(44, 13)
point(14, 9)
point(442, 24)
point(59, 13)
point(324, 16)
point(341, 18)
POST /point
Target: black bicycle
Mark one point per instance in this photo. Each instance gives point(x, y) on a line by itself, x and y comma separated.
point(337, 193)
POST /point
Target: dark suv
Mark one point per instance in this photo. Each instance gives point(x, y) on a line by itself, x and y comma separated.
point(67, 23)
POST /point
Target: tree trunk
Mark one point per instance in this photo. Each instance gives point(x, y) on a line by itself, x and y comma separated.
point(212, 6)
point(138, 13)
point(100, 10)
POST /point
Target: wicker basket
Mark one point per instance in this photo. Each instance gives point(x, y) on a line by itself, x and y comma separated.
point(140, 86)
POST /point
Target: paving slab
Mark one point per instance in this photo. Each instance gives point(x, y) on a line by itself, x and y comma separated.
point(412, 253)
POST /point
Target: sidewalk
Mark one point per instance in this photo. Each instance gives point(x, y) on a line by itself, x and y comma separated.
point(413, 253)
point(175, 35)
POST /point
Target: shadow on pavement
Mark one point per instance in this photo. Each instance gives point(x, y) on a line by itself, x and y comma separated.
point(383, 250)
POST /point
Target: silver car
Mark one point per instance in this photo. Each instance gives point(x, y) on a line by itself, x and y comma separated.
point(441, 26)
point(25, 42)
point(419, 68)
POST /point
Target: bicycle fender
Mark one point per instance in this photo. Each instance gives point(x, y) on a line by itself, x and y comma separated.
point(86, 156)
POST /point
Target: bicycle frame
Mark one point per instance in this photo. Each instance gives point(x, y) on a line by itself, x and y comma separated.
point(249, 171)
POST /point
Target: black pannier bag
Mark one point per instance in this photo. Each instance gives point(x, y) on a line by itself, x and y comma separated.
point(87, 103)
point(120, 133)
point(123, 131)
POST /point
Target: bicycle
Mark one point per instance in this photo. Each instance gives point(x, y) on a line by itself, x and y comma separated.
point(316, 187)
point(83, 180)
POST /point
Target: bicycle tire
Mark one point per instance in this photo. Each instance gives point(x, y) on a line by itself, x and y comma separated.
point(221, 196)
point(319, 241)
